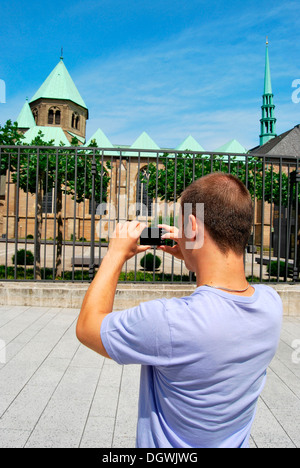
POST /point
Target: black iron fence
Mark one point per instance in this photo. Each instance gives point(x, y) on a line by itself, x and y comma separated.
point(59, 207)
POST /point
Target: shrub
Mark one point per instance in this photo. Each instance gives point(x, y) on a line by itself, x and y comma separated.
point(21, 255)
point(272, 269)
point(149, 261)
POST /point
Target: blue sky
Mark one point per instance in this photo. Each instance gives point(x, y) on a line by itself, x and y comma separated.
point(170, 68)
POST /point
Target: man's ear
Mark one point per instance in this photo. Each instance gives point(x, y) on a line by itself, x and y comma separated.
point(190, 227)
point(195, 233)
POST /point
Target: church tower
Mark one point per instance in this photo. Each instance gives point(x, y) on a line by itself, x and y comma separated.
point(268, 121)
point(57, 103)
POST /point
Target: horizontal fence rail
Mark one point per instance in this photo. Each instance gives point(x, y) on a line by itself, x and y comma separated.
point(59, 207)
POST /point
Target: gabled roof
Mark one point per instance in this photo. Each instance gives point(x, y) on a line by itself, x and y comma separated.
point(25, 119)
point(50, 133)
point(59, 85)
point(189, 144)
point(232, 146)
point(144, 141)
point(286, 144)
point(101, 140)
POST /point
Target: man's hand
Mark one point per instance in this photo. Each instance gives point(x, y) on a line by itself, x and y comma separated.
point(173, 235)
point(124, 241)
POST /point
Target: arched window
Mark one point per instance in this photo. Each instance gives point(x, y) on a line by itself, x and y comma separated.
point(57, 117)
point(75, 121)
point(54, 116)
point(50, 116)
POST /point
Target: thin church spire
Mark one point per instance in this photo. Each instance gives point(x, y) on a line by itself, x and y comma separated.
point(268, 121)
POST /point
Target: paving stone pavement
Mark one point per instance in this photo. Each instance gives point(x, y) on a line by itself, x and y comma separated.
point(56, 393)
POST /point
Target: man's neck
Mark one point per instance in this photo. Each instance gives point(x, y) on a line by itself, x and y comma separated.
point(216, 269)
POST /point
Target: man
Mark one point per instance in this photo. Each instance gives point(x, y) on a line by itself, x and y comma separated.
point(204, 357)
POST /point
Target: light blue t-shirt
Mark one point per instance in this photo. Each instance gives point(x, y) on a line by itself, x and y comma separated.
point(204, 359)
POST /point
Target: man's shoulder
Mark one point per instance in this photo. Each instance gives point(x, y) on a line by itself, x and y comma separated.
point(268, 291)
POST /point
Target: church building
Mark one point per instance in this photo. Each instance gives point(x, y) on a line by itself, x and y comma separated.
point(58, 110)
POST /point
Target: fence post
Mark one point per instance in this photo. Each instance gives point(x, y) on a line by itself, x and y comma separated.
point(297, 227)
point(295, 179)
point(92, 255)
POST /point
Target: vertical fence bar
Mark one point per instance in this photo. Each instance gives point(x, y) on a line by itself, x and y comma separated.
point(290, 215)
point(156, 219)
point(166, 212)
point(56, 238)
point(74, 215)
point(254, 211)
point(46, 215)
point(26, 217)
point(296, 249)
point(36, 235)
point(101, 201)
point(65, 218)
point(174, 209)
point(110, 196)
point(138, 205)
point(17, 215)
point(92, 253)
point(83, 216)
point(7, 213)
point(119, 186)
point(262, 220)
point(271, 224)
point(245, 163)
point(280, 220)
point(287, 244)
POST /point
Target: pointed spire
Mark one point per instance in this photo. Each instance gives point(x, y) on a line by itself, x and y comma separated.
point(268, 85)
point(268, 120)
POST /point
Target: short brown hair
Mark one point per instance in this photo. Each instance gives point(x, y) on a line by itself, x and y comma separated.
point(228, 209)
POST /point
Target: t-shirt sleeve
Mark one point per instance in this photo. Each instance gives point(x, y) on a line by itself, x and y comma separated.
point(139, 335)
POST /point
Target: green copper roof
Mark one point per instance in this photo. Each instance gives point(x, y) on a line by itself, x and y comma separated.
point(50, 133)
point(79, 138)
point(268, 85)
point(144, 141)
point(59, 85)
point(189, 144)
point(101, 140)
point(232, 146)
point(25, 119)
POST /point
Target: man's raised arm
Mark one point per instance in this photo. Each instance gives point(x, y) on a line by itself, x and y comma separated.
point(99, 299)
